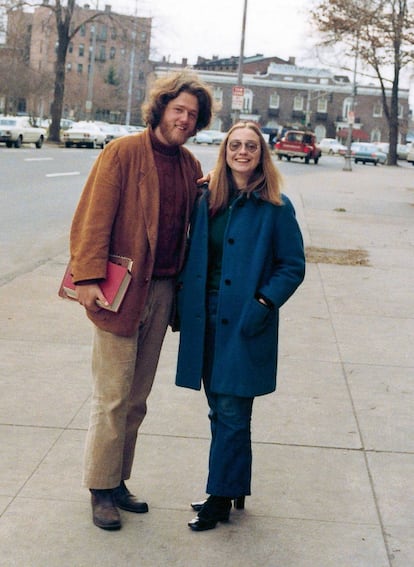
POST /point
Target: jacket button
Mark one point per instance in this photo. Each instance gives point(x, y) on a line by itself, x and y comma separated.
point(231, 241)
point(225, 321)
point(227, 282)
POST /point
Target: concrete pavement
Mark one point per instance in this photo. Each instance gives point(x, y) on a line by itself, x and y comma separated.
point(333, 448)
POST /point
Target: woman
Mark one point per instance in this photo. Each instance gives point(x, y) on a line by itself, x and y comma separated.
point(245, 260)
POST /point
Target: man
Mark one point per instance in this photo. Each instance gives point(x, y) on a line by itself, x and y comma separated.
point(136, 203)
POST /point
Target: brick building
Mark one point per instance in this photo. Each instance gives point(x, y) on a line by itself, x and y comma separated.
point(107, 60)
point(278, 95)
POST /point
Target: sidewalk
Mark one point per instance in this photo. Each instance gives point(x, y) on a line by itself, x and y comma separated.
point(333, 448)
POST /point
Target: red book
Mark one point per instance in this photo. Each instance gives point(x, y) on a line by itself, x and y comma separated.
point(114, 286)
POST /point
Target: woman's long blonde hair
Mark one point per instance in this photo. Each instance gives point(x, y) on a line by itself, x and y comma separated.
point(266, 179)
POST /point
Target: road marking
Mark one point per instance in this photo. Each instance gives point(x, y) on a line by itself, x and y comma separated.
point(62, 174)
point(38, 159)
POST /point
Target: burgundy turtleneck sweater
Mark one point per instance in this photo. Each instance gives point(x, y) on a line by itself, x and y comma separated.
point(172, 208)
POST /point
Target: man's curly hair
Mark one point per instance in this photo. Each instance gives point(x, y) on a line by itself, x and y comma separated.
point(168, 88)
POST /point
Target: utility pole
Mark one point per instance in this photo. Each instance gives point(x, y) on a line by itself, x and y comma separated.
point(236, 114)
point(88, 105)
point(131, 66)
point(351, 112)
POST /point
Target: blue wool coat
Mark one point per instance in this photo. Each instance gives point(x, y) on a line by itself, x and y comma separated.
point(262, 253)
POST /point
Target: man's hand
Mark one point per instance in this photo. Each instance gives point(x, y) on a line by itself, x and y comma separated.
point(88, 294)
point(206, 179)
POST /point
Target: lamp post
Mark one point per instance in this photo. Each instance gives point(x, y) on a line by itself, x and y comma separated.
point(89, 98)
point(131, 66)
point(351, 113)
point(236, 114)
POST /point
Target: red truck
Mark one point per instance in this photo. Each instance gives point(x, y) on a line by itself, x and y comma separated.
point(298, 144)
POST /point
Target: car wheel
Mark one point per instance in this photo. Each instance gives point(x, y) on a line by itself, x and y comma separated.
point(316, 160)
point(306, 159)
point(331, 153)
point(375, 163)
point(288, 158)
point(68, 144)
point(18, 142)
point(39, 143)
point(279, 157)
point(9, 145)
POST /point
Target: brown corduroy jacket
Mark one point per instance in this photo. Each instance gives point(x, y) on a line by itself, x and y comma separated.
point(118, 213)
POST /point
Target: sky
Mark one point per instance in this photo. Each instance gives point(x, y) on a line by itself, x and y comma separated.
point(192, 28)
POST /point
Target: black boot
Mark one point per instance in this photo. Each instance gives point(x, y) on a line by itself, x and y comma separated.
point(105, 515)
point(127, 501)
point(215, 509)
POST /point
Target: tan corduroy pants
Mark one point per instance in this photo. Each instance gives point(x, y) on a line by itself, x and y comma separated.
point(123, 370)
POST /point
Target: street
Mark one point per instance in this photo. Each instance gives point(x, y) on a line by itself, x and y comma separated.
point(333, 447)
point(40, 190)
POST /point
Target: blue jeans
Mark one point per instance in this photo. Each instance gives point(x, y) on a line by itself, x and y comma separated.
point(230, 461)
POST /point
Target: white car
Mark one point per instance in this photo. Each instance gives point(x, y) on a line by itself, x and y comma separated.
point(87, 134)
point(410, 155)
point(331, 146)
point(209, 137)
point(17, 130)
point(113, 131)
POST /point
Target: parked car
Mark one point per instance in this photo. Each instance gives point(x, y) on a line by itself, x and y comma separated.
point(298, 144)
point(367, 153)
point(331, 146)
point(410, 155)
point(135, 129)
point(402, 151)
point(209, 137)
point(87, 134)
point(17, 130)
point(113, 131)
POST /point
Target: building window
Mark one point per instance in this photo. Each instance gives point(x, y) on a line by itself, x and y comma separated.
point(70, 47)
point(80, 68)
point(102, 53)
point(218, 94)
point(143, 36)
point(82, 30)
point(274, 100)
point(346, 107)
point(103, 32)
point(375, 135)
point(400, 111)
point(112, 52)
point(81, 50)
point(298, 103)
point(322, 105)
point(377, 110)
point(113, 33)
point(69, 67)
point(247, 101)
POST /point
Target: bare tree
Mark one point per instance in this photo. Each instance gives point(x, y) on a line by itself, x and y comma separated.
point(65, 32)
point(379, 33)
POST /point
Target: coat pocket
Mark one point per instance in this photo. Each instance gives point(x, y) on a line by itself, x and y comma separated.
point(255, 318)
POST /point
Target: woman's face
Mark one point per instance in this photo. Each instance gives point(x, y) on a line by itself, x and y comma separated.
point(243, 153)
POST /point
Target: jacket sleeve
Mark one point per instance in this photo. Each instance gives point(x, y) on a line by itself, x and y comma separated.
point(288, 257)
point(92, 223)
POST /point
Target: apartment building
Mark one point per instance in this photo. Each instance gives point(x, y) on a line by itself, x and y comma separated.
point(283, 94)
point(107, 62)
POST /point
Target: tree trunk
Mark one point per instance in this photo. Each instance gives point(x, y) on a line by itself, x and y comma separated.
point(59, 93)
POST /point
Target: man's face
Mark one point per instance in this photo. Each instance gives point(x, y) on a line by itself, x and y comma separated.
point(179, 120)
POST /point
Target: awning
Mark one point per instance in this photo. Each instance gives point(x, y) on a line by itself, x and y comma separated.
point(357, 135)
